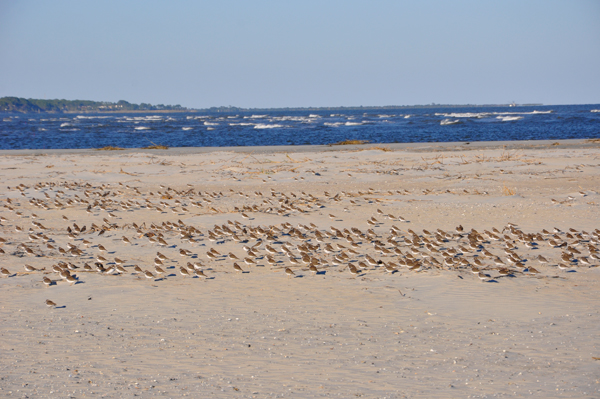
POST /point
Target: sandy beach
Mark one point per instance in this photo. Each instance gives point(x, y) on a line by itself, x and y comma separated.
point(378, 271)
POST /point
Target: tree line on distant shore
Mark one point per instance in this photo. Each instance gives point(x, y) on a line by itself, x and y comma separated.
point(17, 104)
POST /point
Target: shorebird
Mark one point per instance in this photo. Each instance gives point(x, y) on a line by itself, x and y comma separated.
point(29, 268)
point(47, 282)
point(71, 279)
point(185, 252)
point(289, 272)
point(237, 268)
point(504, 272)
point(184, 272)
point(584, 261)
point(50, 304)
point(370, 260)
point(200, 273)
point(353, 270)
point(389, 268)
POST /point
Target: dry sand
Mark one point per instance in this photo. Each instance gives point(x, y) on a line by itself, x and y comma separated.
point(434, 331)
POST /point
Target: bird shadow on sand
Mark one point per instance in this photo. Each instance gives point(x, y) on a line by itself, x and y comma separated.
point(492, 280)
point(60, 307)
point(321, 273)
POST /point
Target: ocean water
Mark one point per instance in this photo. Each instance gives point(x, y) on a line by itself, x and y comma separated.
point(201, 129)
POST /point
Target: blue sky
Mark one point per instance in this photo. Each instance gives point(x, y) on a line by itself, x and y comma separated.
point(302, 53)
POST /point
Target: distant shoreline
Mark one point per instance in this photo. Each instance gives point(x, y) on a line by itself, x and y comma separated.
point(56, 106)
point(138, 111)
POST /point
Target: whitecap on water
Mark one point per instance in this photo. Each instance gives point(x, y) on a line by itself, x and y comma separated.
point(256, 116)
point(141, 128)
point(92, 117)
point(449, 122)
point(265, 126)
point(509, 118)
point(477, 115)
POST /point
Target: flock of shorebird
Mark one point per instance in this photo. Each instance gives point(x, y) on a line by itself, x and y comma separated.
point(378, 245)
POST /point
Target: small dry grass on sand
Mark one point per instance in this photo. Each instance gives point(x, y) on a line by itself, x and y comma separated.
point(508, 191)
point(351, 142)
point(109, 148)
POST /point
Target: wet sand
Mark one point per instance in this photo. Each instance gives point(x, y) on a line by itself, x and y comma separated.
point(430, 328)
